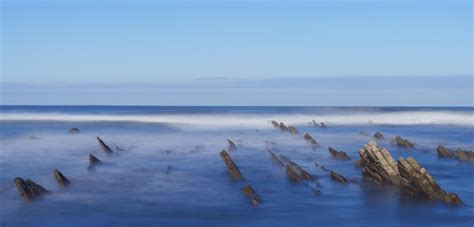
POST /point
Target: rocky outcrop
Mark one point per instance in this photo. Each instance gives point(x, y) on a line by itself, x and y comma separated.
point(461, 155)
point(378, 136)
point(310, 139)
point(341, 155)
point(296, 173)
point(402, 143)
point(61, 180)
point(28, 189)
point(251, 194)
point(283, 127)
point(231, 167)
point(93, 161)
point(275, 124)
point(338, 177)
point(74, 131)
point(231, 145)
point(416, 181)
point(106, 149)
point(292, 129)
point(378, 165)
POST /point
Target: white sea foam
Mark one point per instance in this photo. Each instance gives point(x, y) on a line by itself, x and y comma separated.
point(465, 118)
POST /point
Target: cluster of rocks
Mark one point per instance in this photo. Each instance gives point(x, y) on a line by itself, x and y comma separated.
point(378, 165)
point(338, 177)
point(461, 155)
point(341, 155)
point(283, 127)
point(29, 190)
point(402, 143)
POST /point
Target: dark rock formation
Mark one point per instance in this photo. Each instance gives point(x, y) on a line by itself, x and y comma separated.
point(93, 161)
point(293, 130)
point(341, 155)
point(231, 167)
point(378, 136)
point(338, 177)
point(74, 131)
point(378, 165)
point(106, 149)
point(402, 143)
point(310, 139)
point(363, 133)
point(416, 181)
point(461, 155)
point(323, 125)
point(296, 173)
point(444, 152)
point(275, 124)
point(275, 158)
point(232, 145)
point(315, 123)
point(251, 194)
point(283, 127)
point(60, 178)
point(28, 189)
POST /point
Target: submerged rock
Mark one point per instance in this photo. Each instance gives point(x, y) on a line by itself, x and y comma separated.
point(231, 167)
point(28, 189)
point(321, 167)
point(283, 127)
point(378, 136)
point(341, 155)
point(74, 131)
point(296, 173)
point(232, 145)
point(293, 130)
point(416, 181)
point(338, 177)
point(310, 139)
point(276, 125)
point(444, 152)
point(93, 161)
point(323, 125)
point(106, 149)
point(251, 194)
point(402, 143)
point(315, 123)
point(363, 133)
point(275, 158)
point(461, 155)
point(169, 169)
point(60, 178)
point(378, 165)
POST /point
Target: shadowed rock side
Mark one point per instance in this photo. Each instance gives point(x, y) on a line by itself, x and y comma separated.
point(341, 155)
point(60, 178)
point(283, 127)
point(28, 189)
point(338, 177)
point(74, 131)
point(93, 161)
point(251, 194)
point(276, 125)
point(275, 158)
point(231, 167)
point(378, 136)
point(232, 145)
point(310, 139)
point(402, 143)
point(416, 181)
point(293, 130)
point(461, 155)
point(378, 165)
point(106, 149)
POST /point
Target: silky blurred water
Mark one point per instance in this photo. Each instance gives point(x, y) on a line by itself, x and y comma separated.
point(134, 187)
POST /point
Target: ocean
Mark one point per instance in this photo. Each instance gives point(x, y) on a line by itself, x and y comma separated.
point(166, 169)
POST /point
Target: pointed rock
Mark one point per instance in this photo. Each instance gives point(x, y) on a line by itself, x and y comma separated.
point(341, 155)
point(106, 149)
point(378, 136)
point(310, 139)
point(378, 165)
point(402, 143)
point(296, 173)
point(93, 161)
point(232, 145)
point(276, 125)
point(74, 131)
point(60, 178)
point(28, 189)
point(338, 177)
point(231, 167)
point(251, 194)
point(283, 127)
point(444, 152)
point(323, 125)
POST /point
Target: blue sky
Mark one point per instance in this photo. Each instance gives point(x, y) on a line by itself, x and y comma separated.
point(67, 43)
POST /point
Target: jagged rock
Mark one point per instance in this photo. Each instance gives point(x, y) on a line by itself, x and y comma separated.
point(378, 136)
point(251, 194)
point(231, 167)
point(28, 189)
point(60, 178)
point(283, 127)
point(323, 125)
point(232, 145)
point(93, 161)
point(461, 155)
point(293, 130)
point(275, 158)
point(74, 131)
point(363, 133)
point(296, 173)
point(444, 152)
point(321, 167)
point(106, 149)
point(416, 181)
point(378, 165)
point(402, 143)
point(341, 155)
point(339, 177)
point(310, 139)
point(276, 125)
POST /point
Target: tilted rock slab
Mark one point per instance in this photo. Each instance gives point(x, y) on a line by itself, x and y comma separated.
point(341, 155)
point(461, 155)
point(28, 189)
point(60, 178)
point(402, 143)
point(310, 139)
point(251, 194)
point(378, 136)
point(93, 161)
point(106, 149)
point(377, 164)
point(231, 167)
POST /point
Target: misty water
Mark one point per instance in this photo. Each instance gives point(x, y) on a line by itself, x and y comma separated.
point(169, 173)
